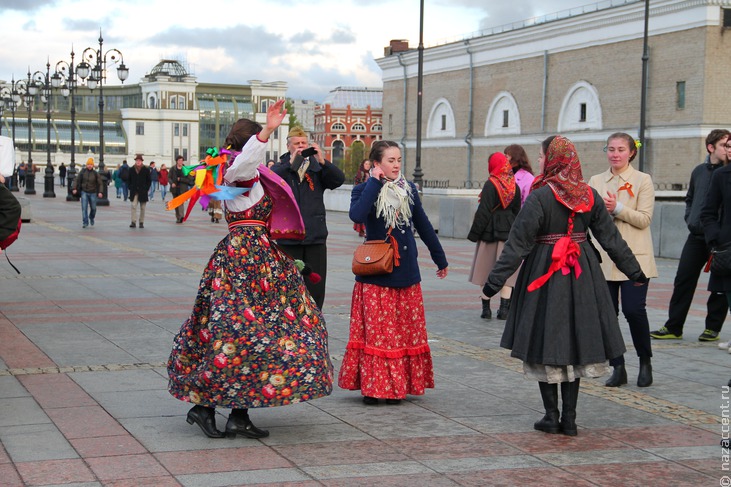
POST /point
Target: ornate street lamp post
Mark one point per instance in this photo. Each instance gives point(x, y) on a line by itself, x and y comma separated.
point(31, 92)
point(95, 62)
point(43, 81)
point(418, 173)
point(12, 99)
point(66, 70)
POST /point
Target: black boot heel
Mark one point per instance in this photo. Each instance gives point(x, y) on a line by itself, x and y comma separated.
point(206, 419)
point(618, 377)
point(240, 424)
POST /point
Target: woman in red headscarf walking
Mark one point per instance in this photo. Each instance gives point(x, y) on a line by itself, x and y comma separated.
point(499, 204)
point(563, 325)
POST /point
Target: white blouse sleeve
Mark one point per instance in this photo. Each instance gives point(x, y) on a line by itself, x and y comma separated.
point(244, 169)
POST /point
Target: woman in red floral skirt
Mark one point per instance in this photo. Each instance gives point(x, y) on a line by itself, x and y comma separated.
point(387, 355)
point(255, 337)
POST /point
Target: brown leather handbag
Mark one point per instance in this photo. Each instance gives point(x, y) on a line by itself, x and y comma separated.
point(376, 257)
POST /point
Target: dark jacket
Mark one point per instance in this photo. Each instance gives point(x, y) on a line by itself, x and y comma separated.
point(182, 183)
point(310, 198)
point(363, 210)
point(139, 183)
point(492, 222)
point(10, 211)
point(700, 181)
point(88, 181)
point(716, 219)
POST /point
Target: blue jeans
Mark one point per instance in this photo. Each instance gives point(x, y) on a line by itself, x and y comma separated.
point(163, 191)
point(125, 190)
point(88, 199)
point(155, 185)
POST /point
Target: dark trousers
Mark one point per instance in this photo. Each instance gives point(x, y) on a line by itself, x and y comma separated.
point(315, 256)
point(692, 260)
point(634, 310)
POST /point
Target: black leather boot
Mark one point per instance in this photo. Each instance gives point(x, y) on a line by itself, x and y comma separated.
point(644, 379)
point(618, 377)
point(240, 424)
point(205, 417)
point(486, 313)
point(569, 396)
point(549, 423)
point(502, 312)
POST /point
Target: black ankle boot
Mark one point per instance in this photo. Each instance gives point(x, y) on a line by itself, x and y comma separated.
point(240, 424)
point(486, 313)
point(205, 418)
point(502, 313)
point(644, 379)
point(618, 377)
point(549, 423)
point(569, 396)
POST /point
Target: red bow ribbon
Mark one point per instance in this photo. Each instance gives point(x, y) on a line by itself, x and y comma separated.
point(564, 257)
point(627, 187)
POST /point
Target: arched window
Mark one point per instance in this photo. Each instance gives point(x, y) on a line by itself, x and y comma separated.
point(441, 120)
point(358, 127)
point(181, 102)
point(173, 100)
point(580, 109)
point(503, 117)
point(377, 127)
point(338, 127)
point(151, 102)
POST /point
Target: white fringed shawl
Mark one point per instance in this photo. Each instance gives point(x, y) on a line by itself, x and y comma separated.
point(394, 202)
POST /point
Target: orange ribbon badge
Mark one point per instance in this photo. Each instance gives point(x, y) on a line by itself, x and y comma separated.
point(627, 187)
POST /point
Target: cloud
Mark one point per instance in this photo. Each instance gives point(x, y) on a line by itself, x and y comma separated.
point(342, 36)
point(72, 24)
point(25, 5)
point(241, 41)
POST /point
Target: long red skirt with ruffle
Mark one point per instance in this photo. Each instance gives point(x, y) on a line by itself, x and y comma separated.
point(387, 355)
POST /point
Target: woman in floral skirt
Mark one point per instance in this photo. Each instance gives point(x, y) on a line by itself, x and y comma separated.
point(255, 337)
point(387, 356)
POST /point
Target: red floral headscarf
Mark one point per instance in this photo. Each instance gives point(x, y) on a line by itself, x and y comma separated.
point(562, 173)
point(501, 175)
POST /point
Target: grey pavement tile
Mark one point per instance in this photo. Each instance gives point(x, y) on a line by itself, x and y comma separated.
point(140, 403)
point(77, 484)
point(688, 452)
point(11, 387)
point(497, 462)
point(314, 433)
point(292, 415)
point(594, 412)
point(367, 470)
point(119, 381)
point(35, 442)
point(453, 400)
point(173, 433)
point(518, 423)
point(598, 457)
point(271, 476)
point(19, 411)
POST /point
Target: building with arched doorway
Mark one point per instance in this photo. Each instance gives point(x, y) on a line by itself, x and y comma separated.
point(578, 73)
point(346, 125)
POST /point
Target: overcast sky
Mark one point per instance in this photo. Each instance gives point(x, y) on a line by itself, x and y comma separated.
point(313, 45)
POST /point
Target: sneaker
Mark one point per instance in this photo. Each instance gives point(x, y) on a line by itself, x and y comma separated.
point(708, 336)
point(92, 223)
point(665, 334)
point(84, 225)
point(724, 345)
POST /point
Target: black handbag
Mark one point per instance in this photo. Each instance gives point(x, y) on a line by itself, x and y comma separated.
point(720, 260)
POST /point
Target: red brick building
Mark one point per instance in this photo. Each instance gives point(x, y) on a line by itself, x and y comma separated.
point(348, 117)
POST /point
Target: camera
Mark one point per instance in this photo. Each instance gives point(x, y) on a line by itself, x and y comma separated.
point(310, 151)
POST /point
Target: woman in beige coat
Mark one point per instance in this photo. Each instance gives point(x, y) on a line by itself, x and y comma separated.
point(629, 196)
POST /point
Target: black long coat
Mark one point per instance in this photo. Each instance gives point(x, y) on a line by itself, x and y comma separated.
point(716, 220)
point(569, 320)
point(139, 183)
point(492, 222)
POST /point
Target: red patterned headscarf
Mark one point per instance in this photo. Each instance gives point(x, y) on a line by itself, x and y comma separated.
point(562, 173)
point(501, 175)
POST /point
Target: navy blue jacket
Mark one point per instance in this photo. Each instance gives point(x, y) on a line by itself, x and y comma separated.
point(310, 200)
point(363, 210)
point(700, 183)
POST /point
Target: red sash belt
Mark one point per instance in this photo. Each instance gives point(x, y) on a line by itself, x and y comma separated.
point(246, 223)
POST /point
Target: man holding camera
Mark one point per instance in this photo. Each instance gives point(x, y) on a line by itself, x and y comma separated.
point(309, 174)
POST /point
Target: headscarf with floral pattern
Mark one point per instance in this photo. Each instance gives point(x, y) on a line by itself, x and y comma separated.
point(501, 175)
point(562, 173)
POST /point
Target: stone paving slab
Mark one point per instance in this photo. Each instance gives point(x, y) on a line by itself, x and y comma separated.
point(86, 329)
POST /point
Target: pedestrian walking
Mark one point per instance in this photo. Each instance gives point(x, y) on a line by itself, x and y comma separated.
point(139, 185)
point(88, 186)
point(163, 180)
point(154, 180)
point(179, 184)
point(62, 174)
